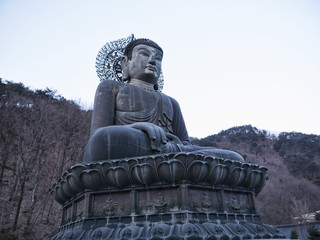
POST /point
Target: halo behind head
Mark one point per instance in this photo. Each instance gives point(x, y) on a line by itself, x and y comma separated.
point(108, 61)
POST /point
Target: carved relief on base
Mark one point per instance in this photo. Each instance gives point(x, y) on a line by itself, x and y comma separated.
point(67, 214)
point(204, 200)
point(157, 201)
point(237, 202)
point(107, 205)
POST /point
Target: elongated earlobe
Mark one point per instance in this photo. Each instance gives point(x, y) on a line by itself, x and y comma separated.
point(125, 70)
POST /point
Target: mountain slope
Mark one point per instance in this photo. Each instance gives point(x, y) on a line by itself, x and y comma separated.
point(42, 135)
point(293, 160)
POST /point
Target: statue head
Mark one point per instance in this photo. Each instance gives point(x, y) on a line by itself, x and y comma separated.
point(144, 41)
point(142, 60)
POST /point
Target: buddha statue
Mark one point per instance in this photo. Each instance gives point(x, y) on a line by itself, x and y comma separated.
point(132, 119)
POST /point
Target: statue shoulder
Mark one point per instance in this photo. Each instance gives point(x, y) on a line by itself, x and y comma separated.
point(174, 103)
point(106, 85)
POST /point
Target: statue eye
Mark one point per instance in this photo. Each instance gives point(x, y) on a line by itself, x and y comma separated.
point(145, 54)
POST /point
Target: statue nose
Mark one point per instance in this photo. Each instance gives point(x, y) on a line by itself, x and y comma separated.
point(152, 59)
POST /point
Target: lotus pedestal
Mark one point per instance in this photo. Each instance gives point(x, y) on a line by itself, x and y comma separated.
point(175, 196)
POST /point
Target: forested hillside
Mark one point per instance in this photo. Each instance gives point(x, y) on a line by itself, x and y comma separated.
point(293, 160)
point(43, 134)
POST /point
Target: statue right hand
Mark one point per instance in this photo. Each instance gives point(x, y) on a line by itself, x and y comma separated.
point(156, 134)
point(174, 138)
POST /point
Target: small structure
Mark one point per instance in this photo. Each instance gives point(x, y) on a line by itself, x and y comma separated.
point(308, 217)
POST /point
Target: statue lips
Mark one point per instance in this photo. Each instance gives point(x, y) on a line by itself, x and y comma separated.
point(151, 68)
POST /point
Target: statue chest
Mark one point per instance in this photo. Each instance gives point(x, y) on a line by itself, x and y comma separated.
point(142, 106)
point(133, 100)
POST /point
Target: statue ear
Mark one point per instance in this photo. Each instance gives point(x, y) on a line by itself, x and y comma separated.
point(156, 87)
point(125, 70)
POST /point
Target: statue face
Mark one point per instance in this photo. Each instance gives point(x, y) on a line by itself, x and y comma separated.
point(145, 63)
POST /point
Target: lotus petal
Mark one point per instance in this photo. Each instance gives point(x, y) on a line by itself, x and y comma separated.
point(67, 190)
point(212, 161)
point(264, 178)
point(253, 179)
point(143, 174)
point(132, 162)
point(185, 158)
point(101, 233)
point(160, 230)
point(171, 171)
point(125, 164)
point(91, 179)
point(130, 232)
point(218, 174)
point(59, 195)
point(197, 171)
point(77, 169)
point(117, 177)
point(74, 183)
point(188, 229)
point(237, 176)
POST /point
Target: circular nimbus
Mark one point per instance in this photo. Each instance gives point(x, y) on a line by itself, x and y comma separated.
point(108, 61)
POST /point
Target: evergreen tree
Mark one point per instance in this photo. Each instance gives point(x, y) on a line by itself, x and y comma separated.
point(314, 233)
point(294, 235)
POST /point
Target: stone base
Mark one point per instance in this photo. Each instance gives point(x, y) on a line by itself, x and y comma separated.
point(99, 229)
point(182, 196)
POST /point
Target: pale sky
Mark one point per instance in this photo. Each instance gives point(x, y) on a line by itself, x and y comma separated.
point(228, 63)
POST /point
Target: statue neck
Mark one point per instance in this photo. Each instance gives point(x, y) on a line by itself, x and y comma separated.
point(149, 87)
